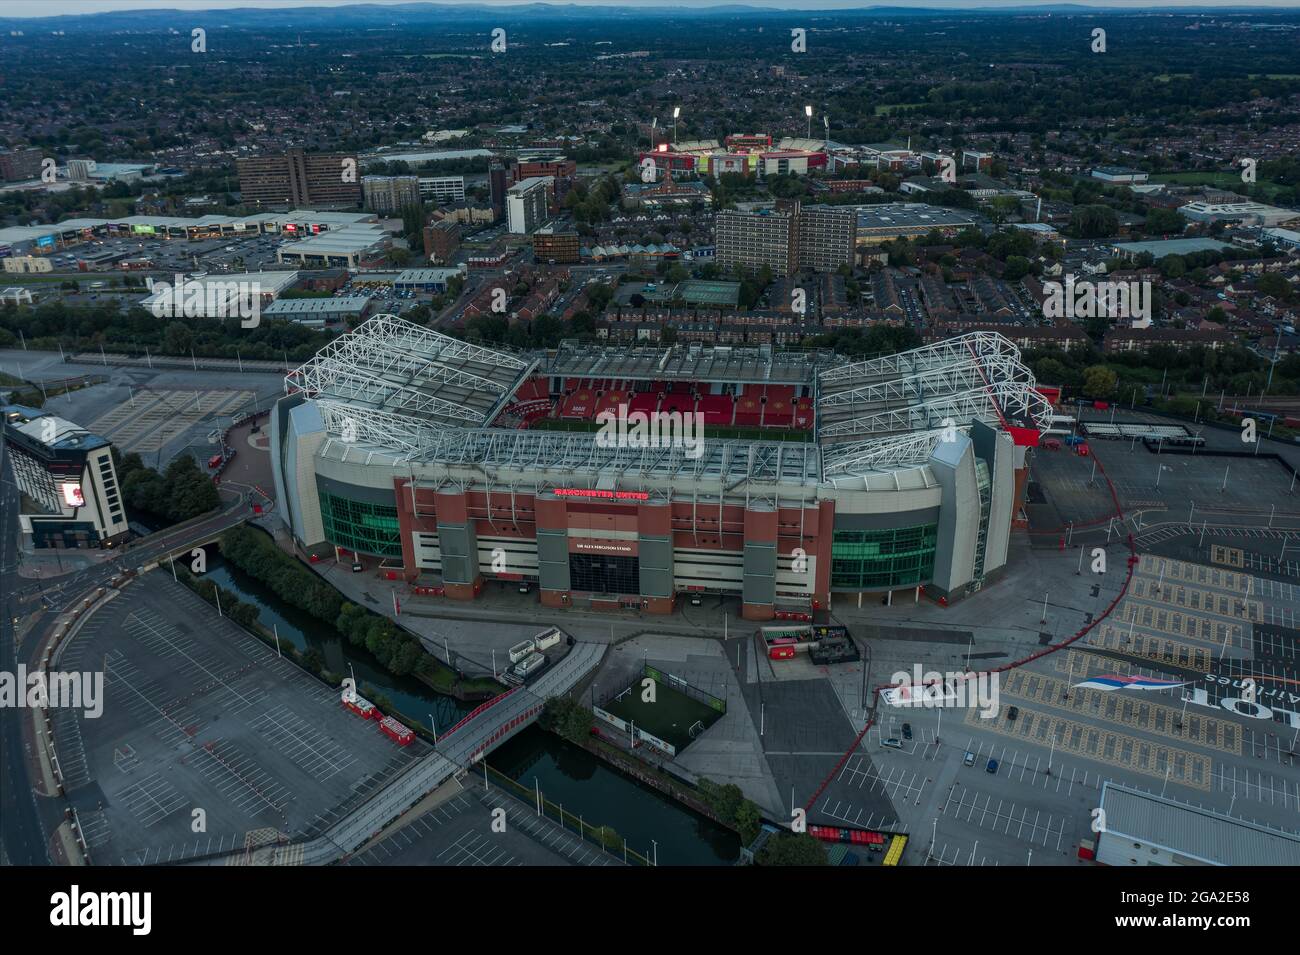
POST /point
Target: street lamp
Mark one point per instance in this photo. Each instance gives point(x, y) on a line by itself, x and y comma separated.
point(808, 112)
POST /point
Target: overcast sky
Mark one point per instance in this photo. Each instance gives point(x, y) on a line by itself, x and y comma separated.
point(46, 8)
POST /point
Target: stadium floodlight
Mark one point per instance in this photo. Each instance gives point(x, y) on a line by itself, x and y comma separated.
point(677, 111)
point(808, 112)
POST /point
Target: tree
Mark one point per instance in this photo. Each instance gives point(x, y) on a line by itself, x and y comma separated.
point(609, 837)
point(792, 848)
point(567, 717)
point(1094, 222)
point(1275, 285)
point(1164, 221)
point(748, 821)
point(1099, 381)
point(1017, 268)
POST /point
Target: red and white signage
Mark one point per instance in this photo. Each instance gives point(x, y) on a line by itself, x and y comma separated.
point(602, 494)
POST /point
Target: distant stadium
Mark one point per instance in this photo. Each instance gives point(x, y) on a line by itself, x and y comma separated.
point(456, 464)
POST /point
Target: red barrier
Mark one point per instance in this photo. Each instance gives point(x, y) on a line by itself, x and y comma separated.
point(479, 709)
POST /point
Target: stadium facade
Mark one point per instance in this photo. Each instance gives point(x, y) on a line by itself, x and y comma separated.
point(817, 480)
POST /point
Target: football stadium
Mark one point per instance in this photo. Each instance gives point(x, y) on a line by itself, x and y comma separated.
point(457, 465)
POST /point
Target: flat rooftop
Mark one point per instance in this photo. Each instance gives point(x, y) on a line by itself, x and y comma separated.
point(911, 215)
point(1204, 836)
point(290, 307)
point(1163, 247)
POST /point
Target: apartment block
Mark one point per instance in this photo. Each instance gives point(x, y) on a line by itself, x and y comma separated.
point(390, 194)
point(297, 179)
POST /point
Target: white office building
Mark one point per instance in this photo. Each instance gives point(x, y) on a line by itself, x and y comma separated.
point(526, 205)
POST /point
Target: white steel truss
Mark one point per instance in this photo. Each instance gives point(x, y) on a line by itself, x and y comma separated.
point(950, 378)
point(390, 363)
point(882, 454)
point(978, 375)
point(347, 384)
point(733, 463)
point(984, 346)
point(411, 337)
point(962, 408)
point(387, 393)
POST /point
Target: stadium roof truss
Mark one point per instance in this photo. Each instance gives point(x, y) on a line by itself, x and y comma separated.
point(387, 364)
point(413, 395)
point(564, 455)
point(977, 376)
point(575, 359)
point(858, 458)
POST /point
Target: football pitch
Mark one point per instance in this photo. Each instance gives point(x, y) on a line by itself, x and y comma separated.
point(670, 717)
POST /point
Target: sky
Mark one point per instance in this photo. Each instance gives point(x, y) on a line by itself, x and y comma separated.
point(47, 8)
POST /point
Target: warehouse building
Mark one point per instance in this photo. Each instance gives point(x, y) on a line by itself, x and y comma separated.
point(318, 312)
point(351, 247)
point(1141, 829)
point(908, 220)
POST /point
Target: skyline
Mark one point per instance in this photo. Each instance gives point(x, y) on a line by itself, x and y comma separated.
point(53, 8)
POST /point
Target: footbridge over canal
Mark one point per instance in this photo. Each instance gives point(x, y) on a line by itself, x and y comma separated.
point(457, 750)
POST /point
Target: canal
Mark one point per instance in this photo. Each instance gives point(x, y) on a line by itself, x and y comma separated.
point(651, 822)
point(411, 698)
point(566, 774)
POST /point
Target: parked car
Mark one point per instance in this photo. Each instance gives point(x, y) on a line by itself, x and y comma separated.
point(968, 759)
point(893, 742)
point(1013, 712)
point(992, 767)
point(907, 731)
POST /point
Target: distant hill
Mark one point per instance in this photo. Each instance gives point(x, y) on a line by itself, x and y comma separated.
point(369, 15)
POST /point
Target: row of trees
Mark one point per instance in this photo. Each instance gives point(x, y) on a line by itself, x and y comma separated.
point(1233, 369)
point(255, 554)
point(134, 329)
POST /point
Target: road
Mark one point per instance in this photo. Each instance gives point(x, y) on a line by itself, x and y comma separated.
point(20, 825)
point(26, 818)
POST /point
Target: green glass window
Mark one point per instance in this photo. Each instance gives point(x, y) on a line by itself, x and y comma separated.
point(880, 560)
point(364, 528)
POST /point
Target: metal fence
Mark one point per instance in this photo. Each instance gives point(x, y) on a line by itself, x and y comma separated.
point(567, 820)
point(686, 689)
